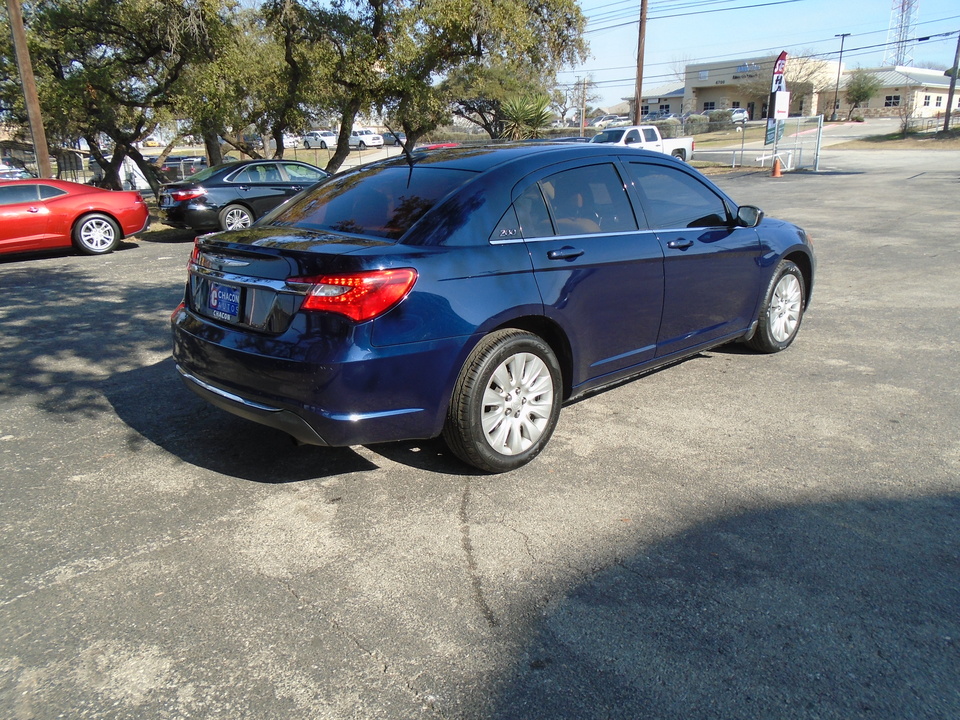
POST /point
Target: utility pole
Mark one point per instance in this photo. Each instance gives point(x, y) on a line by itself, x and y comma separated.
point(836, 94)
point(640, 42)
point(583, 106)
point(953, 85)
point(29, 88)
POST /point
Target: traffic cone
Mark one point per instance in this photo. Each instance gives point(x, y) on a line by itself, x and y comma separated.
point(776, 168)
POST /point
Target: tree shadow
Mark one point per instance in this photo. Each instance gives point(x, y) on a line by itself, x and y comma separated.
point(839, 610)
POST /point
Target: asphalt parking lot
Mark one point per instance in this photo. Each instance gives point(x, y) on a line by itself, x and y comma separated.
point(737, 536)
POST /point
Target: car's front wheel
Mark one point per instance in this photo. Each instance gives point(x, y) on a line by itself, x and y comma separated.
point(363, 145)
point(505, 403)
point(96, 234)
point(235, 217)
point(782, 310)
point(306, 144)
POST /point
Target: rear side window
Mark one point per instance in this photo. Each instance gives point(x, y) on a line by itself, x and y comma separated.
point(49, 191)
point(383, 201)
point(13, 194)
point(673, 200)
point(588, 200)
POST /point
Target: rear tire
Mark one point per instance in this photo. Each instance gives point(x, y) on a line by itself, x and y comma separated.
point(782, 310)
point(679, 154)
point(323, 145)
point(96, 234)
point(235, 217)
point(505, 403)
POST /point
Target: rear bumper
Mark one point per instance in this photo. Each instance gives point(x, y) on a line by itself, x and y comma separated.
point(303, 385)
point(274, 417)
point(191, 217)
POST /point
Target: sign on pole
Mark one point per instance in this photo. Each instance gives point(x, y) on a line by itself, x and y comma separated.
point(778, 108)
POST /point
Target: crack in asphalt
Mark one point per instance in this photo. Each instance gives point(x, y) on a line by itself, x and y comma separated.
point(467, 546)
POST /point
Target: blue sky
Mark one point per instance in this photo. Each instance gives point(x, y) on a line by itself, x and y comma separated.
point(765, 28)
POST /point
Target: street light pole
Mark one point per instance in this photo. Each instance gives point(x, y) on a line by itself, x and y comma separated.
point(836, 94)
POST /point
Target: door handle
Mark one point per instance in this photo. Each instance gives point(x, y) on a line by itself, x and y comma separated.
point(33, 210)
point(565, 253)
point(296, 188)
point(244, 187)
point(679, 244)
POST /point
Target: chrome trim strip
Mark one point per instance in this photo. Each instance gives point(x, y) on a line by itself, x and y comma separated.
point(280, 286)
point(224, 394)
point(553, 238)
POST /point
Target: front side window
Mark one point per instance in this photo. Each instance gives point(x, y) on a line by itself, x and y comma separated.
point(673, 200)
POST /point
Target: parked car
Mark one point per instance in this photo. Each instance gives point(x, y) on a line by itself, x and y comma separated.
point(602, 121)
point(14, 173)
point(322, 139)
point(363, 138)
point(470, 292)
point(737, 115)
point(233, 195)
point(177, 167)
point(41, 214)
point(646, 137)
point(438, 146)
point(394, 138)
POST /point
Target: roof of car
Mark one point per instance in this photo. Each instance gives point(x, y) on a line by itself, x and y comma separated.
point(482, 158)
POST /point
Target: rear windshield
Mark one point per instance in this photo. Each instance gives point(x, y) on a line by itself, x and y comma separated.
point(383, 201)
point(608, 136)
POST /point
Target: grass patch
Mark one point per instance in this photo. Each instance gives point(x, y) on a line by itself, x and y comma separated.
point(895, 141)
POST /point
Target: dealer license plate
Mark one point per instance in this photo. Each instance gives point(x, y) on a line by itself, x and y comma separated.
point(223, 302)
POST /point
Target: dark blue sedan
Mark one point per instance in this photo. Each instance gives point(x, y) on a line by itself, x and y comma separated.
point(470, 292)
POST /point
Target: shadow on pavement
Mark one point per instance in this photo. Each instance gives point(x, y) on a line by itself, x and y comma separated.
point(842, 610)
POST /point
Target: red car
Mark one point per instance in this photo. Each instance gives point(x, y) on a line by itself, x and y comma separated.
point(41, 214)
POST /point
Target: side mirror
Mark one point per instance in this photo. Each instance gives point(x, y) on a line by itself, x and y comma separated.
point(749, 215)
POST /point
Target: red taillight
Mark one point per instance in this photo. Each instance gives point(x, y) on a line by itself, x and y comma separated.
point(360, 296)
point(187, 194)
point(195, 254)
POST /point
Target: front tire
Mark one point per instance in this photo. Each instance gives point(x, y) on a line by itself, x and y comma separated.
point(505, 403)
point(306, 144)
point(235, 217)
point(96, 234)
point(782, 310)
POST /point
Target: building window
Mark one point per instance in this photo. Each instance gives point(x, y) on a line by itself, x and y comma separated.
point(704, 74)
point(709, 106)
point(644, 109)
point(926, 101)
point(891, 101)
point(665, 108)
point(939, 100)
point(736, 103)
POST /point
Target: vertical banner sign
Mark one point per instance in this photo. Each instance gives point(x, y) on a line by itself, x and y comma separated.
point(777, 85)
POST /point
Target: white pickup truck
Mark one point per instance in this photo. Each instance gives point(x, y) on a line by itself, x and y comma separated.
point(647, 137)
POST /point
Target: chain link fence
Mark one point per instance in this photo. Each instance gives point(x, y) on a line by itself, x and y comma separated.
point(797, 145)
